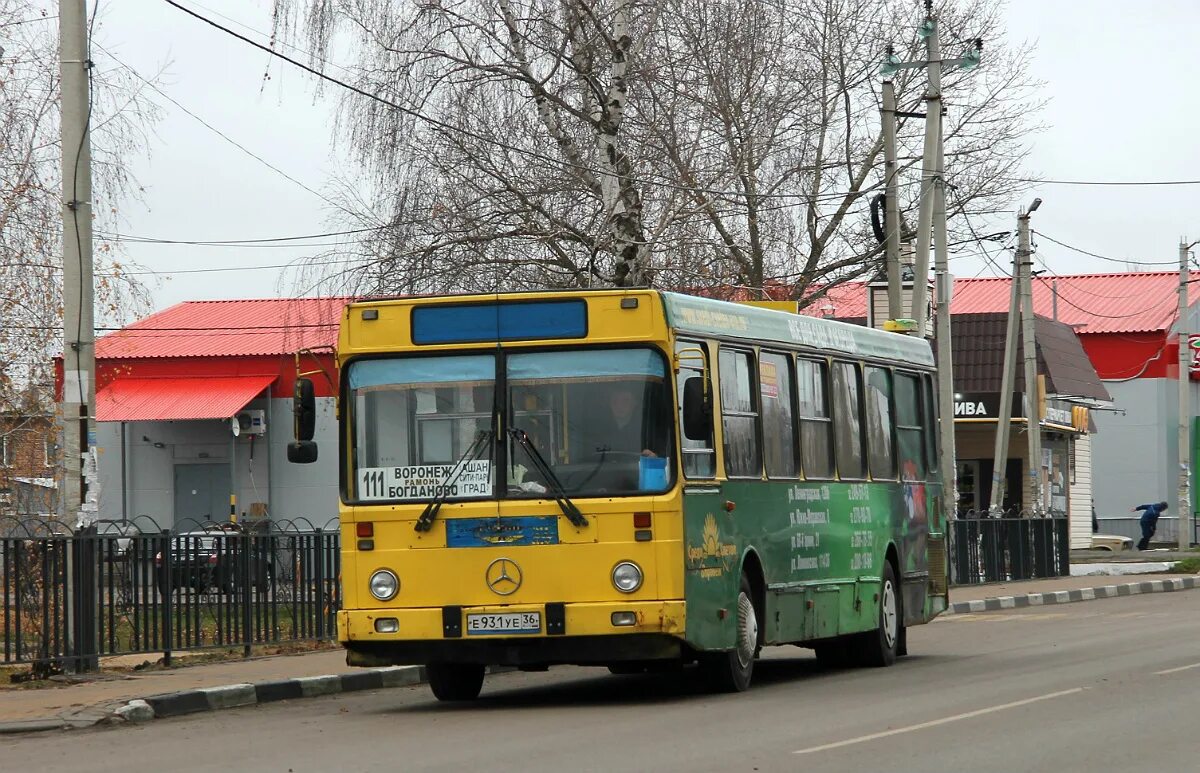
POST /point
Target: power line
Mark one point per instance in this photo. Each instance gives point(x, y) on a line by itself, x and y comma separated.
point(19, 22)
point(492, 140)
point(1105, 182)
point(1105, 257)
point(119, 237)
point(217, 131)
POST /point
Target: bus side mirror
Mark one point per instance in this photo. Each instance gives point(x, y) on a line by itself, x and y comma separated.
point(302, 452)
point(304, 416)
point(697, 410)
point(304, 409)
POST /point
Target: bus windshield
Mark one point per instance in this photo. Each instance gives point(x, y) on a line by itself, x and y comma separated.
point(600, 418)
point(596, 421)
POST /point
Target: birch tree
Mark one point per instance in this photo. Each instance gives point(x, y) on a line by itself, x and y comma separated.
point(716, 145)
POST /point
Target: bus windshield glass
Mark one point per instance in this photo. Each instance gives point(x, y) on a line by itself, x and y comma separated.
point(417, 421)
point(599, 418)
point(596, 421)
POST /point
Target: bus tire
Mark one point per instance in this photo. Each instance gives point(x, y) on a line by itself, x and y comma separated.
point(455, 681)
point(879, 648)
point(731, 671)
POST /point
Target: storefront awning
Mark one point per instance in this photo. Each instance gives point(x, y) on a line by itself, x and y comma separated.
point(177, 398)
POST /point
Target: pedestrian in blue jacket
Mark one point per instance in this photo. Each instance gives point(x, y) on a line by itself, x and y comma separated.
point(1149, 521)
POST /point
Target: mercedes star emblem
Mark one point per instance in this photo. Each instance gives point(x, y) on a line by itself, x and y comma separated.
point(503, 576)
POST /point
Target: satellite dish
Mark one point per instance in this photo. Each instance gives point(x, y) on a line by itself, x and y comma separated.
point(236, 426)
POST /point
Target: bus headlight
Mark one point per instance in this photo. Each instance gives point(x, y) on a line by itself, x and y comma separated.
point(627, 577)
point(384, 585)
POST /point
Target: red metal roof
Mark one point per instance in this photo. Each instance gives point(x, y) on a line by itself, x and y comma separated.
point(166, 399)
point(236, 328)
point(1091, 303)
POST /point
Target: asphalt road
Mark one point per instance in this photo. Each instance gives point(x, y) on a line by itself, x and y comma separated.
point(1108, 685)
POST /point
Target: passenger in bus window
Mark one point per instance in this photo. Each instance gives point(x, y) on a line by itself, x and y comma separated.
point(625, 434)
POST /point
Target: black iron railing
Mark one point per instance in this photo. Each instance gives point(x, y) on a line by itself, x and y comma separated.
point(70, 598)
point(1012, 547)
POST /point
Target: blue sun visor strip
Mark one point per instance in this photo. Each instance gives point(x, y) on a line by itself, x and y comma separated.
point(514, 321)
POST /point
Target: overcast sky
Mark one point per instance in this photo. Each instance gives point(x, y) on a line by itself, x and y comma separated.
point(1117, 74)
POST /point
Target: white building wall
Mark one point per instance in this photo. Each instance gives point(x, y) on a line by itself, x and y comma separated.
point(1135, 451)
point(304, 493)
point(1081, 494)
point(261, 472)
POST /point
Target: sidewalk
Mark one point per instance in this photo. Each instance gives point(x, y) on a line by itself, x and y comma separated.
point(225, 684)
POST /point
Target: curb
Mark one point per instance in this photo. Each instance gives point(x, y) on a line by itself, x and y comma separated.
point(176, 704)
point(1070, 596)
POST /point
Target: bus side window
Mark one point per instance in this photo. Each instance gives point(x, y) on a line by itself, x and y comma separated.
point(816, 424)
point(847, 420)
point(880, 440)
point(779, 428)
point(931, 422)
point(910, 427)
point(699, 456)
point(739, 414)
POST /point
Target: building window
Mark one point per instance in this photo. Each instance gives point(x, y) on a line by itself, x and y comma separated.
point(739, 414)
point(50, 451)
point(6, 451)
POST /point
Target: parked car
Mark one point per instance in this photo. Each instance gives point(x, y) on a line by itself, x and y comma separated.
point(214, 558)
point(1113, 543)
point(120, 535)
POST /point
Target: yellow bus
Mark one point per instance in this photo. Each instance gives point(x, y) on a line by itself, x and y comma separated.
point(630, 479)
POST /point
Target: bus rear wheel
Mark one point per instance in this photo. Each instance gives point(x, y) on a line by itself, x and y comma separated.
point(731, 671)
point(455, 681)
point(880, 647)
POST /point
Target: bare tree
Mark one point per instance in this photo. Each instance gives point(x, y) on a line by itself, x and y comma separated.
point(716, 144)
point(31, 199)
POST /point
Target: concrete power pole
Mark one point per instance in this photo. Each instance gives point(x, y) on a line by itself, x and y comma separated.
point(933, 120)
point(1029, 345)
point(1003, 418)
point(892, 201)
point(79, 351)
point(945, 358)
point(1185, 451)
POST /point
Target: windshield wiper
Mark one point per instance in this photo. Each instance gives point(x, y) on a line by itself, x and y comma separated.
point(425, 521)
point(556, 487)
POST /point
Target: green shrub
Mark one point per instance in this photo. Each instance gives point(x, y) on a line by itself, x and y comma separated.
point(1186, 566)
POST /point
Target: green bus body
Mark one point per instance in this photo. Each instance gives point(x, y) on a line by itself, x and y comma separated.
point(816, 546)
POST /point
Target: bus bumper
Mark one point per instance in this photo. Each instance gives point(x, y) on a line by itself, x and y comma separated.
point(588, 636)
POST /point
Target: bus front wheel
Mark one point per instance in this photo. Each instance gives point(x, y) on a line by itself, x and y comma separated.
point(455, 682)
point(880, 647)
point(731, 671)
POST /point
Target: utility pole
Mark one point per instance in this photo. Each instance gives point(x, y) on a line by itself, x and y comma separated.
point(945, 358)
point(1185, 452)
point(79, 354)
point(1029, 345)
point(931, 216)
point(1004, 417)
point(933, 120)
point(891, 200)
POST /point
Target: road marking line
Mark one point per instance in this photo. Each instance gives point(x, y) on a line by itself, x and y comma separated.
point(937, 722)
point(1174, 670)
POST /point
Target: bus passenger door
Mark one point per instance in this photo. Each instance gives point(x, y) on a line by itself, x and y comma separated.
point(710, 555)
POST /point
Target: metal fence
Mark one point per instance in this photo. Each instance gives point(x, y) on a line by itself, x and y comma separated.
point(126, 588)
point(1013, 547)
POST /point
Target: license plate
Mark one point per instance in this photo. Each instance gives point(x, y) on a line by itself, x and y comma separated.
point(505, 622)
